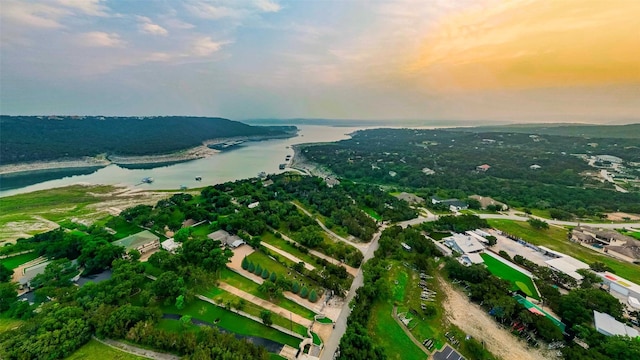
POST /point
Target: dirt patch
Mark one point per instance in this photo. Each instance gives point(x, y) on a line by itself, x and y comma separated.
point(620, 216)
point(474, 321)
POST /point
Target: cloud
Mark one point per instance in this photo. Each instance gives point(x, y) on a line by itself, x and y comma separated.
point(207, 10)
point(38, 15)
point(205, 46)
point(88, 7)
point(146, 26)
point(267, 6)
point(100, 39)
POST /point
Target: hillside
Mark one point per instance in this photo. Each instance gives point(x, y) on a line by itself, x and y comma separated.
point(37, 138)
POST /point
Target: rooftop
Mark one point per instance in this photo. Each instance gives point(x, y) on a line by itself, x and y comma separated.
point(465, 243)
point(568, 265)
point(136, 240)
point(620, 281)
point(608, 325)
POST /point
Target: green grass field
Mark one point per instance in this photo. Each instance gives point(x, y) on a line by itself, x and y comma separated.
point(122, 227)
point(15, 261)
point(519, 280)
point(372, 213)
point(556, 238)
point(233, 322)
point(7, 324)
point(249, 286)
point(265, 261)
point(221, 296)
point(97, 350)
point(386, 332)
point(285, 245)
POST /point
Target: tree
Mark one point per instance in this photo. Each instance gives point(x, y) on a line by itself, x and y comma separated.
point(245, 263)
point(8, 295)
point(273, 277)
point(304, 292)
point(5, 273)
point(251, 267)
point(492, 240)
point(265, 315)
point(185, 321)
point(538, 224)
point(265, 274)
point(183, 235)
point(295, 288)
point(180, 302)
point(313, 296)
point(258, 270)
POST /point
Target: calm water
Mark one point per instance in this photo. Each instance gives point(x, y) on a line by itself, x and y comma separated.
point(243, 162)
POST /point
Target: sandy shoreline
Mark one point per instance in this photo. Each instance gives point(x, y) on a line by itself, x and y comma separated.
point(194, 153)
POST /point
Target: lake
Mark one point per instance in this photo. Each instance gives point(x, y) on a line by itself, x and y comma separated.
point(244, 161)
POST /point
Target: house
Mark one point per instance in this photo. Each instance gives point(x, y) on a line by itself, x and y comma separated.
point(410, 198)
point(612, 242)
point(453, 204)
point(607, 325)
point(405, 246)
point(267, 183)
point(486, 201)
point(609, 158)
point(143, 242)
point(470, 259)
point(483, 167)
point(253, 205)
point(171, 245)
point(428, 171)
point(226, 239)
point(463, 244)
point(535, 167)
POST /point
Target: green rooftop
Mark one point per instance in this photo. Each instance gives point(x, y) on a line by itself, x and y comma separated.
point(136, 240)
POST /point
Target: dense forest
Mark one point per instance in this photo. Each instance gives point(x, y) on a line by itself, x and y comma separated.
point(36, 138)
point(436, 160)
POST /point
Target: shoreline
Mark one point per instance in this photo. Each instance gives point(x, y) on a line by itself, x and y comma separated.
point(194, 153)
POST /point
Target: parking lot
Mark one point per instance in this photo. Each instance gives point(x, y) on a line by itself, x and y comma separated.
point(447, 354)
point(513, 248)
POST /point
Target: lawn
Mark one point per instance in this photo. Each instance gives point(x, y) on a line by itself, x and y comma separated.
point(222, 296)
point(386, 332)
point(15, 261)
point(232, 322)
point(7, 324)
point(285, 245)
point(258, 257)
point(372, 213)
point(122, 227)
point(556, 238)
point(519, 280)
point(240, 282)
point(97, 350)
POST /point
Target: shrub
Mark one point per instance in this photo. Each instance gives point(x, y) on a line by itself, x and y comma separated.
point(304, 292)
point(273, 277)
point(265, 273)
point(258, 270)
point(313, 296)
point(251, 267)
point(245, 263)
point(295, 288)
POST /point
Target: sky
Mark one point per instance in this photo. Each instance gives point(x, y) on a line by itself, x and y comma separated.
point(515, 61)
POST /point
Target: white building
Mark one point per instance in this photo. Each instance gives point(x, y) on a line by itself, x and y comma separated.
point(620, 286)
point(463, 244)
point(609, 326)
point(171, 245)
point(567, 265)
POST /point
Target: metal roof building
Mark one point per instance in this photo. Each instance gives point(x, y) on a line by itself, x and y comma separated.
point(609, 326)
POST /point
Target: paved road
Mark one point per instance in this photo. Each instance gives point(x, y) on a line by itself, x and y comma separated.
point(331, 345)
point(421, 219)
point(360, 246)
point(287, 255)
point(266, 305)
